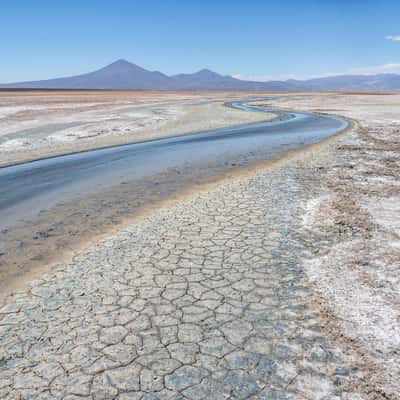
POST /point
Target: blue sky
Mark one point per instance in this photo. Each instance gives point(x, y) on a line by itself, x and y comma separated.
point(251, 39)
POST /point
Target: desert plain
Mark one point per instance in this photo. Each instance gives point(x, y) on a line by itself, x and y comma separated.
point(272, 280)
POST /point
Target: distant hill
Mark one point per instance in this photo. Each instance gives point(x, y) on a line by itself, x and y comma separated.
point(351, 82)
point(122, 74)
point(209, 80)
point(204, 78)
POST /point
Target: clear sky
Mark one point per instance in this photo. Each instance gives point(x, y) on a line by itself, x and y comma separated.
point(250, 39)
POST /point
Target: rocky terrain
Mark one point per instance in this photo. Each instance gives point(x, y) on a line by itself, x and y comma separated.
point(278, 283)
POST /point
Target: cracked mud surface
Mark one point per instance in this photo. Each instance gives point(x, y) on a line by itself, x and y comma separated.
point(205, 299)
point(56, 232)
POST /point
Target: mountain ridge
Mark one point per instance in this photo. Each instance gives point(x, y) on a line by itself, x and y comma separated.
point(124, 75)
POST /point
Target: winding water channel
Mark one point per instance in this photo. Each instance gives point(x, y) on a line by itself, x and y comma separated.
point(27, 187)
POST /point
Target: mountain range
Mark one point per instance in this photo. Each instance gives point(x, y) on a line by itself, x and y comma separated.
point(122, 74)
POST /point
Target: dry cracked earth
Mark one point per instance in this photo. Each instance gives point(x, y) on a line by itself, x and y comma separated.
point(210, 298)
point(204, 300)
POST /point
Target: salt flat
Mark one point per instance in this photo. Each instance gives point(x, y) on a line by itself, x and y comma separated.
point(41, 124)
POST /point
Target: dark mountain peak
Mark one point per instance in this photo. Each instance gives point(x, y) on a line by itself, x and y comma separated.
point(202, 73)
point(122, 65)
point(121, 61)
point(206, 72)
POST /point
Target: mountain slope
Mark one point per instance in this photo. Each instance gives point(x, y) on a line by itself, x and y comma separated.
point(119, 75)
